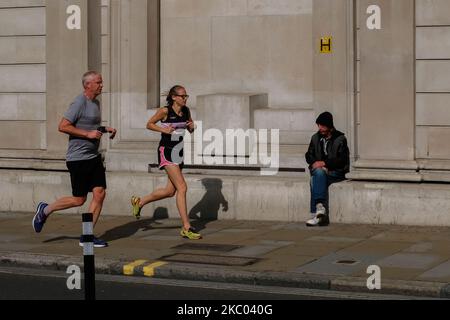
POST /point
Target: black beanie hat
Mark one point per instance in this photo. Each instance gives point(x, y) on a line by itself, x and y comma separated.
point(326, 119)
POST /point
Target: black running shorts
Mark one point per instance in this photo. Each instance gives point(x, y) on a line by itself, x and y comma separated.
point(86, 175)
point(168, 157)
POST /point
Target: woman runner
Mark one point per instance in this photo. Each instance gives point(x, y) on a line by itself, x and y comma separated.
point(175, 118)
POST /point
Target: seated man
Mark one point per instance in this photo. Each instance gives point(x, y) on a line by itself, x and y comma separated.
point(329, 160)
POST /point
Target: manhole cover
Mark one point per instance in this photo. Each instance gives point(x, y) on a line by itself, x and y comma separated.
point(210, 259)
point(347, 262)
point(207, 247)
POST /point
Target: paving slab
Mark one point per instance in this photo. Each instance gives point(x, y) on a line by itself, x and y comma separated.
point(410, 261)
point(385, 248)
point(279, 263)
point(339, 264)
point(264, 247)
point(438, 273)
point(334, 239)
point(413, 234)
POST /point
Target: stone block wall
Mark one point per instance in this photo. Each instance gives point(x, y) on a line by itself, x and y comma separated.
point(22, 75)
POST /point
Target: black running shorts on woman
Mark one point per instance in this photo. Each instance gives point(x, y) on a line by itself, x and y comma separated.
point(85, 175)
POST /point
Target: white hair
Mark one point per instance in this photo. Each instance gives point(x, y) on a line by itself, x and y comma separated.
point(87, 77)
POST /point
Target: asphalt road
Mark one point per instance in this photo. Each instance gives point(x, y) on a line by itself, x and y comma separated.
point(28, 284)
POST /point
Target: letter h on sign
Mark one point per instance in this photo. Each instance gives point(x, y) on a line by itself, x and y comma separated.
point(325, 45)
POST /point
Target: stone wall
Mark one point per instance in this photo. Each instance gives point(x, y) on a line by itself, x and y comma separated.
point(22, 75)
point(432, 76)
point(239, 46)
point(242, 198)
point(388, 88)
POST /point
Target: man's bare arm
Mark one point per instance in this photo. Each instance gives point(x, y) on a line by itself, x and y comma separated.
point(65, 126)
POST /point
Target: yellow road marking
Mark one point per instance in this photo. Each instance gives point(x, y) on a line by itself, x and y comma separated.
point(128, 269)
point(149, 271)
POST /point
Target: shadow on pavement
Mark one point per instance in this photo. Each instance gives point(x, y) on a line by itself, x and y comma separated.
point(129, 229)
point(205, 211)
point(61, 238)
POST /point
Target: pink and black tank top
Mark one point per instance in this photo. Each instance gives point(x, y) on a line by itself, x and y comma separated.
point(178, 122)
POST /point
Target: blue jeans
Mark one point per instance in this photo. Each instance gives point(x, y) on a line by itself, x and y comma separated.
point(320, 181)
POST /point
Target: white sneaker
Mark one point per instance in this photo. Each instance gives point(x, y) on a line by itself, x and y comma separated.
point(320, 210)
point(320, 219)
point(314, 222)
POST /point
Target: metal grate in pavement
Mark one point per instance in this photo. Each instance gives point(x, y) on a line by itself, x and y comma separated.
point(207, 247)
point(209, 259)
point(347, 262)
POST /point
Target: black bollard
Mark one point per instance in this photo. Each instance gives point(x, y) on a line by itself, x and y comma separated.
point(88, 253)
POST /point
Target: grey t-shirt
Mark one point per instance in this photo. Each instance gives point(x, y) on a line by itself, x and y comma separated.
point(83, 114)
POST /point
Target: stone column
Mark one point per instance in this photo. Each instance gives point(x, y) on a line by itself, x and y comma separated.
point(70, 53)
point(94, 35)
point(153, 52)
point(385, 132)
point(333, 72)
point(67, 59)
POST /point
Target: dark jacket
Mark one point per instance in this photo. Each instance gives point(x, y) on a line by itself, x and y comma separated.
point(338, 158)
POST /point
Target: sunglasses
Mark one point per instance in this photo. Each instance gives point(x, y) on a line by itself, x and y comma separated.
point(184, 96)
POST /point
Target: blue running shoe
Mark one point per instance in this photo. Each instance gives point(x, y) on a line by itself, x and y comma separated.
point(98, 243)
point(40, 217)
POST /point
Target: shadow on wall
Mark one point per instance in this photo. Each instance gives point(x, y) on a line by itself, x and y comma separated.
point(208, 208)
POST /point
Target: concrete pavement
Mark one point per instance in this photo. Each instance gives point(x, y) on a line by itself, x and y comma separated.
point(414, 261)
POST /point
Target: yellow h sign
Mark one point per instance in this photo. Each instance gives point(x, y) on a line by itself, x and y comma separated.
point(325, 45)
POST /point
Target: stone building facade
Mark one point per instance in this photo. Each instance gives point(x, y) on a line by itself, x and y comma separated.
point(385, 79)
